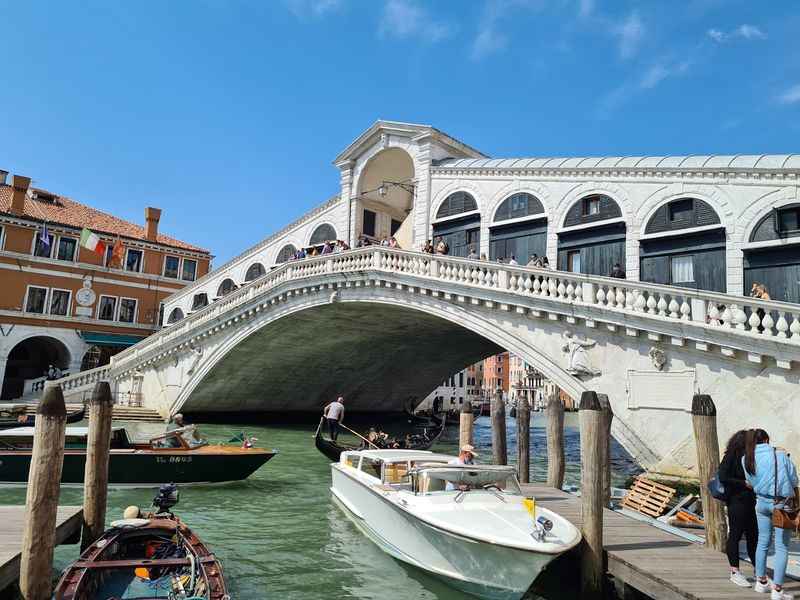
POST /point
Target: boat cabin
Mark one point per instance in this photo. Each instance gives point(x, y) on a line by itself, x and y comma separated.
point(425, 473)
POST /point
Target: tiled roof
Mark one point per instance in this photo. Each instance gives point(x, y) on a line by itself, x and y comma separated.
point(66, 211)
point(738, 161)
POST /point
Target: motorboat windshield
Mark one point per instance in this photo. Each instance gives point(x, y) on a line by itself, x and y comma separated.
point(184, 437)
point(462, 478)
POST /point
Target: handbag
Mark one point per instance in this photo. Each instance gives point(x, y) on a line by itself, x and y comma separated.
point(716, 489)
point(786, 517)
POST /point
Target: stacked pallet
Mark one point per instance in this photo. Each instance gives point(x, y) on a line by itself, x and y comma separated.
point(648, 497)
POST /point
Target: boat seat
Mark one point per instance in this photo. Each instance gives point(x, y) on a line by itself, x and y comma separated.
point(138, 562)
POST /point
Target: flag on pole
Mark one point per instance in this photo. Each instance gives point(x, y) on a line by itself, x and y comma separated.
point(91, 241)
point(117, 252)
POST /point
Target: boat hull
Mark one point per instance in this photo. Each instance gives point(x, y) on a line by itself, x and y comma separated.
point(485, 570)
point(137, 468)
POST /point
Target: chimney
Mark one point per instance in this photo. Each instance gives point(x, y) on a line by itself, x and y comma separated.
point(20, 187)
point(151, 218)
point(3, 175)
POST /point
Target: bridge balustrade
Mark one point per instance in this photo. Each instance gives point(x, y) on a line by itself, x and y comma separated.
point(738, 315)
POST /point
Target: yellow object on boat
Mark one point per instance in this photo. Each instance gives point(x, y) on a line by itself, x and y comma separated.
point(530, 506)
point(142, 572)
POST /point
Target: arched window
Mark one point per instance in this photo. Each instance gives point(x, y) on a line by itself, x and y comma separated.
point(682, 213)
point(175, 316)
point(589, 209)
point(254, 271)
point(286, 253)
point(455, 204)
point(518, 206)
point(199, 301)
point(226, 287)
point(323, 233)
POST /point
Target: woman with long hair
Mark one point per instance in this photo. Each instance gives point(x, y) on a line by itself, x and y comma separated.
point(741, 503)
point(773, 478)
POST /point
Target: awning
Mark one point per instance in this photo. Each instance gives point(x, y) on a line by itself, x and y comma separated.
point(97, 338)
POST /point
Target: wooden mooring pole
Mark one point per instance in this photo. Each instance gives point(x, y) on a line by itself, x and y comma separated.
point(466, 419)
point(593, 445)
point(524, 439)
point(499, 448)
point(555, 442)
point(608, 417)
point(95, 481)
point(704, 422)
point(41, 502)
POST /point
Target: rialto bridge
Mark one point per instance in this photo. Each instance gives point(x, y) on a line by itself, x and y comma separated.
point(384, 326)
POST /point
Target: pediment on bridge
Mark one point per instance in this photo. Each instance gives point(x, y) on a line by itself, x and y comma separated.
point(383, 132)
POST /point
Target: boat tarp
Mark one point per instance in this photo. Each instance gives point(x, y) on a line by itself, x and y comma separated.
point(468, 474)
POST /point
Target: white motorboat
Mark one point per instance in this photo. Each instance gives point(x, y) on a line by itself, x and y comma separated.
point(469, 525)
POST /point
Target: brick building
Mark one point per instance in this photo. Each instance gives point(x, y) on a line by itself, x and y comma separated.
point(495, 374)
point(62, 304)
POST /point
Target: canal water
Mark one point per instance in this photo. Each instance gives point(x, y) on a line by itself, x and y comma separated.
point(279, 535)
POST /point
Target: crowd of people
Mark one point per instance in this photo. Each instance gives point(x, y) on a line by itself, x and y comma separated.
point(759, 481)
point(386, 242)
point(332, 247)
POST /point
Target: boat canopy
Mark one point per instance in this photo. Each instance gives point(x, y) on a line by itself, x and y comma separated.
point(71, 432)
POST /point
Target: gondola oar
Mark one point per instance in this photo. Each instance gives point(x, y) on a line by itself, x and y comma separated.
point(359, 435)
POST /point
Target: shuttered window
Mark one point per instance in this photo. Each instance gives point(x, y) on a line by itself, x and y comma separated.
point(456, 204)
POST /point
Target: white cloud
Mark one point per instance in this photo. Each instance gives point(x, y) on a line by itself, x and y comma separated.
point(304, 9)
point(585, 8)
point(652, 77)
point(405, 19)
point(490, 37)
point(790, 96)
point(661, 71)
point(630, 33)
point(744, 31)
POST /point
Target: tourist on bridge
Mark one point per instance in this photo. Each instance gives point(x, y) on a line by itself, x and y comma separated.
point(327, 248)
point(773, 477)
point(472, 254)
point(513, 261)
point(545, 263)
point(534, 261)
point(441, 246)
point(428, 247)
point(617, 272)
point(741, 503)
point(334, 414)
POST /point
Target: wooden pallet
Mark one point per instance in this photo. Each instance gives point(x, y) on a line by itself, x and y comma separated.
point(648, 497)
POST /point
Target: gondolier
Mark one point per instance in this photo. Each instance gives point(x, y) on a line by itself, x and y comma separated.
point(334, 414)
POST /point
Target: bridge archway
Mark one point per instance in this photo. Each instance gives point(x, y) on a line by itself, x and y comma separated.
point(386, 196)
point(380, 354)
point(30, 359)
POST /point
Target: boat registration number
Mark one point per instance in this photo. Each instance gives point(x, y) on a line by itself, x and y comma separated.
point(173, 459)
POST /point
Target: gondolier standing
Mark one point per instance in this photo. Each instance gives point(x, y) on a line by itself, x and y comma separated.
point(334, 414)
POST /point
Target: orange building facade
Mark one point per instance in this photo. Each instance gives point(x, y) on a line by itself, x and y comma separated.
point(495, 374)
point(64, 305)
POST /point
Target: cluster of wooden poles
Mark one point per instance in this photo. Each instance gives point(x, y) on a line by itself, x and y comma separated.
point(44, 479)
point(596, 417)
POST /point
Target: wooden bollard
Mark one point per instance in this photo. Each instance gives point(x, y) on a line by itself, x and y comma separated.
point(592, 454)
point(466, 420)
point(555, 442)
point(704, 422)
point(41, 502)
point(608, 417)
point(95, 481)
point(499, 448)
point(524, 440)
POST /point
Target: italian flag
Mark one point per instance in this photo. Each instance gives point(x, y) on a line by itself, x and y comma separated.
point(91, 241)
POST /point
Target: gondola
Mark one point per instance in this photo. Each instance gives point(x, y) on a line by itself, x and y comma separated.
point(333, 449)
point(146, 557)
point(16, 415)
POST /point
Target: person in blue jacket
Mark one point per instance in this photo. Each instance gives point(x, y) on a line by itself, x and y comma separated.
point(761, 463)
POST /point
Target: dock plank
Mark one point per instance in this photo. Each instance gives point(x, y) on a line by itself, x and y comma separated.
point(12, 521)
point(653, 561)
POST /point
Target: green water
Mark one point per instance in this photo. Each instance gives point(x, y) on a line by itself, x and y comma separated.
point(280, 537)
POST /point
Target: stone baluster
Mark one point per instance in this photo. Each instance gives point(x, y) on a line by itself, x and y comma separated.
point(754, 321)
point(713, 314)
point(579, 292)
point(512, 282)
point(782, 326)
point(552, 287)
point(570, 291)
point(673, 308)
point(561, 289)
point(651, 303)
point(739, 316)
point(767, 323)
point(601, 295)
point(727, 317)
point(686, 310)
point(528, 284)
point(620, 298)
point(794, 328)
point(662, 305)
point(640, 303)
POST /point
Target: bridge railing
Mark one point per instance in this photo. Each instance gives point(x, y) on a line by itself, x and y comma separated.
point(740, 315)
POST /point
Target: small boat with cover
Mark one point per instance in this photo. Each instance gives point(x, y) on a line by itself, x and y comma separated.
point(469, 525)
point(146, 557)
point(180, 456)
point(16, 415)
point(421, 441)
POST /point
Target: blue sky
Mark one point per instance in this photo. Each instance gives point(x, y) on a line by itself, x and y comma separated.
point(227, 114)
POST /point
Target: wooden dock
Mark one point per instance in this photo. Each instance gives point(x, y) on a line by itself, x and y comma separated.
point(655, 562)
point(12, 520)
